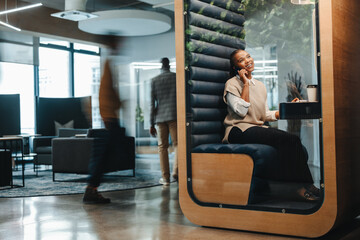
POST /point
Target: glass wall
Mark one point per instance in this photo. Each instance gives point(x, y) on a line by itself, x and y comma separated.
point(143, 72)
point(281, 37)
point(19, 79)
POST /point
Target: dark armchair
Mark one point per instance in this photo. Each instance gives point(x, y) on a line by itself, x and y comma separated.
point(72, 154)
point(43, 148)
point(41, 145)
point(53, 114)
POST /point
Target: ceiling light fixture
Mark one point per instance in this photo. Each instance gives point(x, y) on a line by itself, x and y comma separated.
point(127, 23)
point(20, 8)
point(6, 24)
point(75, 10)
point(10, 26)
point(74, 15)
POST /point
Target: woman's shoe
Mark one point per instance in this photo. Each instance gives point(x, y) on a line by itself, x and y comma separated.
point(306, 195)
point(314, 190)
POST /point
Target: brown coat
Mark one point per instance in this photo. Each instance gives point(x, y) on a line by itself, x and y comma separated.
point(109, 101)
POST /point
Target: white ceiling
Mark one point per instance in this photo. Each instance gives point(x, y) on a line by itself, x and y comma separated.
point(136, 25)
point(127, 23)
point(101, 5)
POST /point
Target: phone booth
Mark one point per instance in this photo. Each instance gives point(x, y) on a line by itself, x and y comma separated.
point(304, 49)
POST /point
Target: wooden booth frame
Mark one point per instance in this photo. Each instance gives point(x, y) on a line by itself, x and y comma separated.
point(339, 33)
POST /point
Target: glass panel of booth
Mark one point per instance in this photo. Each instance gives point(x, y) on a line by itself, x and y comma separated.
point(285, 51)
point(281, 37)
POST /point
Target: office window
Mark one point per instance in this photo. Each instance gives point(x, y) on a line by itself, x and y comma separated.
point(87, 82)
point(16, 53)
point(54, 73)
point(54, 42)
point(19, 79)
point(79, 46)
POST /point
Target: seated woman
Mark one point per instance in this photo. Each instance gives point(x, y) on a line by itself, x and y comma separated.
point(246, 98)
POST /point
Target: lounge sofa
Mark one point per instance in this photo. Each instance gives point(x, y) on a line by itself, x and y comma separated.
point(72, 154)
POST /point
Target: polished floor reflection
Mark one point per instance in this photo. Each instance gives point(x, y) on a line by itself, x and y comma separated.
point(148, 213)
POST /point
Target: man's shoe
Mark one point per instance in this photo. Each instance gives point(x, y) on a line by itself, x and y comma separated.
point(175, 177)
point(91, 195)
point(164, 182)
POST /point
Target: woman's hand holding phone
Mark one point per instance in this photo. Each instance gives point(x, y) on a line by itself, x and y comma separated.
point(242, 73)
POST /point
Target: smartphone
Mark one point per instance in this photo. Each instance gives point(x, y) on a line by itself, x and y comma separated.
point(237, 68)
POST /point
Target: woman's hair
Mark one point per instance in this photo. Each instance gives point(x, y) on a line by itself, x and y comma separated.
point(232, 71)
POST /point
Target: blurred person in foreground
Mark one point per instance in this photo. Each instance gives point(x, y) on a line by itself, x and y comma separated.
point(109, 104)
point(163, 114)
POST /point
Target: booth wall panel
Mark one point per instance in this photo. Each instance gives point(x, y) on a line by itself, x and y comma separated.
point(215, 25)
point(210, 114)
point(210, 49)
point(215, 37)
point(207, 74)
point(204, 61)
point(233, 6)
point(202, 87)
point(211, 10)
point(347, 105)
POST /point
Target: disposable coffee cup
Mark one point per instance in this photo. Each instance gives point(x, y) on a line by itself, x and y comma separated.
point(312, 92)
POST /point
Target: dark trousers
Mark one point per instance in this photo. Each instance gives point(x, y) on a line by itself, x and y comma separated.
point(292, 156)
point(104, 142)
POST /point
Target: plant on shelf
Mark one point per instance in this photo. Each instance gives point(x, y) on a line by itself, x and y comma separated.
point(296, 87)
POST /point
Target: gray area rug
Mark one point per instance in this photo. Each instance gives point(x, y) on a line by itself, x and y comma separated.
point(42, 185)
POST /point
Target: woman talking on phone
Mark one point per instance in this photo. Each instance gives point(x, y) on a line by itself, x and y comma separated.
point(248, 111)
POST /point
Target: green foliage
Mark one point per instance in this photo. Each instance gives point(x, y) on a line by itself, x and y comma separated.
point(139, 114)
point(279, 22)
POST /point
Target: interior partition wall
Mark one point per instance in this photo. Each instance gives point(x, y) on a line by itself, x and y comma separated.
point(294, 46)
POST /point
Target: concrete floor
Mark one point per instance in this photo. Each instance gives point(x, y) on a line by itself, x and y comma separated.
point(142, 214)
